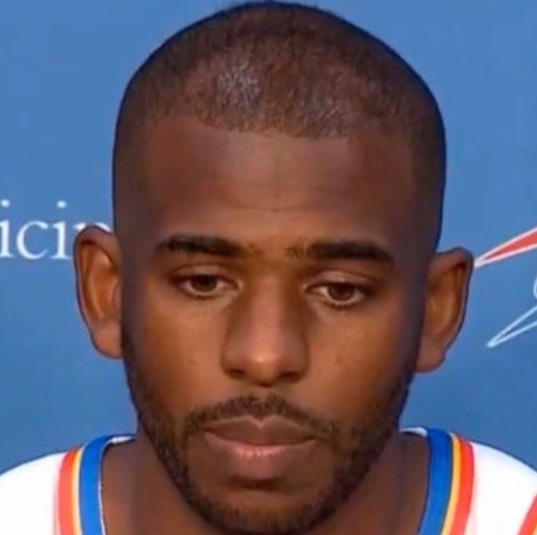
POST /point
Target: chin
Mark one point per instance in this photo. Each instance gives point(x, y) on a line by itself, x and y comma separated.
point(258, 516)
point(260, 511)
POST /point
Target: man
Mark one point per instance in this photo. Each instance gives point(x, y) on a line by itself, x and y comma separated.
point(273, 285)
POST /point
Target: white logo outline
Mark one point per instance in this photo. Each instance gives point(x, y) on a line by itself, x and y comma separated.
point(527, 321)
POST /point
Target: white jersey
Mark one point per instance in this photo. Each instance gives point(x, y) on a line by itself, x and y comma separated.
point(472, 490)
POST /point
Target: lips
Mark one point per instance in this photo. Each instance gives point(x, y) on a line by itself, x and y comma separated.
point(259, 450)
point(272, 431)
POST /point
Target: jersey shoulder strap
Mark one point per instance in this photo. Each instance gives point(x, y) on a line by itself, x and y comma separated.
point(504, 495)
point(78, 508)
point(27, 495)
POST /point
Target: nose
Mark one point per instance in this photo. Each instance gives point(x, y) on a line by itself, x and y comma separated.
point(265, 343)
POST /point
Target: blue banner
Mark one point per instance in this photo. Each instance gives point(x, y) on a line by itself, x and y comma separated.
point(63, 67)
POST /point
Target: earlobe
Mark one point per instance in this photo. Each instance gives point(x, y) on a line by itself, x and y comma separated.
point(96, 258)
point(445, 308)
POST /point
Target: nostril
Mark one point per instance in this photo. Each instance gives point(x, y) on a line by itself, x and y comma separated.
point(236, 373)
point(291, 376)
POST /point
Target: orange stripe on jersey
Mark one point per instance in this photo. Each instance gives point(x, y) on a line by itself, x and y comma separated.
point(460, 500)
point(529, 526)
point(455, 486)
point(466, 488)
point(67, 517)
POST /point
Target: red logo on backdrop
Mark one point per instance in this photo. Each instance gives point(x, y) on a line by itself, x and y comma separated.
point(516, 246)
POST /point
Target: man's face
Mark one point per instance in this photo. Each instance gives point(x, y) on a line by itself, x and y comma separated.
point(273, 293)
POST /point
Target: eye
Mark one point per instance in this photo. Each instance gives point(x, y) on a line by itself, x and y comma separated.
point(340, 294)
point(202, 286)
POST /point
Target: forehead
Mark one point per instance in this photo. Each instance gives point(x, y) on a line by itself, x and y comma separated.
point(270, 187)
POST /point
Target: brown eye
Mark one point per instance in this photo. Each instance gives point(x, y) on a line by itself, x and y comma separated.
point(204, 283)
point(340, 294)
point(202, 286)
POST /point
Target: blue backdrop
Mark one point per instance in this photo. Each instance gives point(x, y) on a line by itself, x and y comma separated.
point(63, 66)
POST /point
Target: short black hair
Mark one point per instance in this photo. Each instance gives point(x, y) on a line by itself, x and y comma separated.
point(287, 67)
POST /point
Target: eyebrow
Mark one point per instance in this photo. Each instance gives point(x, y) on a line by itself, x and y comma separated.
point(202, 244)
point(344, 250)
point(317, 250)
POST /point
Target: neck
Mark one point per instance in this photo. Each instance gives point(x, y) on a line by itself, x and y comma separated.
point(140, 499)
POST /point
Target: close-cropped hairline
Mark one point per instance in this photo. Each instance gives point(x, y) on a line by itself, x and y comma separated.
point(315, 75)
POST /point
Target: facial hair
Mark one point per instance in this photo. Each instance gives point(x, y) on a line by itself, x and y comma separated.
point(355, 455)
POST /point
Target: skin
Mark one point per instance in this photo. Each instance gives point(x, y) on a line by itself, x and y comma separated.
point(335, 332)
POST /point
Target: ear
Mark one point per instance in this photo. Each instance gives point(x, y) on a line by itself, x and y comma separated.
point(446, 298)
point(97, 266)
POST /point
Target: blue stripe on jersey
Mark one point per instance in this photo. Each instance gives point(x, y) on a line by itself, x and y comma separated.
point(439, 482)
point(90, 486)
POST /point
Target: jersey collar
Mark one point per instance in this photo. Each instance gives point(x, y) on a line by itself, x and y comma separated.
point(446, 512)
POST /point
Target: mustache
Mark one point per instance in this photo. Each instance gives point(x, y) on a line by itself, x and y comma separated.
point(259, 408)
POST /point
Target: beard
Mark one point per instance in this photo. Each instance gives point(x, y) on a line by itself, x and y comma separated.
point(356, 451)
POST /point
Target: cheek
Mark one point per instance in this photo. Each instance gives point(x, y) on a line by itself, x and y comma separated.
point(177, 346)
point(363, 357)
